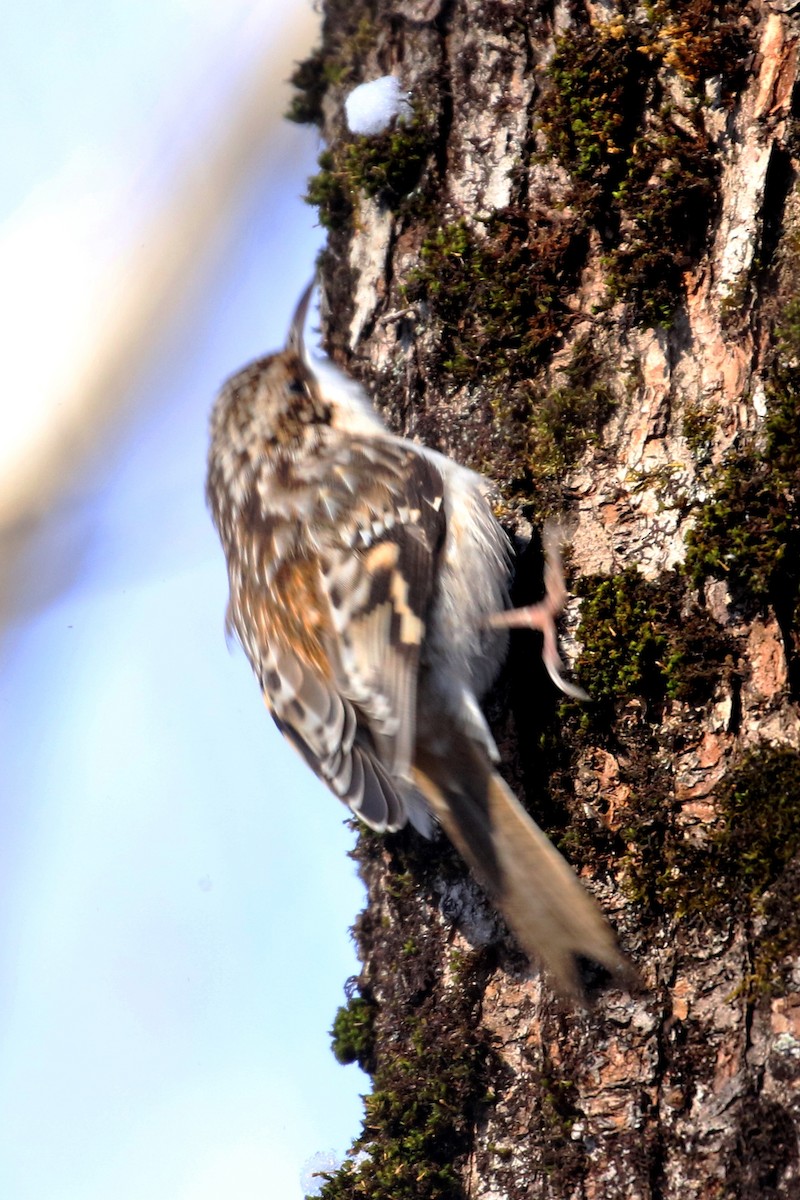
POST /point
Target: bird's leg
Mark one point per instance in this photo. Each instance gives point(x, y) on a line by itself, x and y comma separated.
point(542, 616)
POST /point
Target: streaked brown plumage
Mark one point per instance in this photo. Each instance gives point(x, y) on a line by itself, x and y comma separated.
point(366, 578)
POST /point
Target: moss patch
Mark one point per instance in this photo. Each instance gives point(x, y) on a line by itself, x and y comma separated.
point(598, 78)
point(754, 860)
point(348, 34)
point(571, 416)
point(746, 869)
point(495, 298)
point(537, 434)
point(429, 1061)
point(642, 639)
point(667, 201)
point(310, 82)
point(645, 646)
point(419, 1116)
point(701, 39)
point(760, 833)
point(497, 295)
point(624, 646)
point(743, 533)
point(699, 428)
point(748, 532)
point(353, 1033)
point(645, 171)
point(386, 167)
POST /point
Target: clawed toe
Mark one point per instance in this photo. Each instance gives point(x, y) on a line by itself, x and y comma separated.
point(542, 616)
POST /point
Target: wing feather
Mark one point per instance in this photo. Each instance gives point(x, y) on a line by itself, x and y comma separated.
point(334, 627)
point(380, 598)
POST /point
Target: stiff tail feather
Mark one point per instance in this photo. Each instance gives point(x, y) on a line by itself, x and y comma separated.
point(553, 916)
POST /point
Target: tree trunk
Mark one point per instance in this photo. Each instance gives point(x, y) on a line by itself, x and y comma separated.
point(575, 269)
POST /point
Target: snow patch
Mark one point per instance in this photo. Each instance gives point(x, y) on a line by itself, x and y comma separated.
point(371, 107)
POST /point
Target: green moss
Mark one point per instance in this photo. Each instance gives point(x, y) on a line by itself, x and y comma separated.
point(778, 941)
point(597, 76)
point(428, 1083)
point(642, 639)
point(644, 643)
point(645, 647)
point(650, 877)
point(754, 860)
point(782, 425)
point(309, 79)
point(747, 869)
point(386, 167)
point(389, 166)
point(353, 1033)
point(421, 1040)
point(498, 296)
point(646, 175)
point(760, 831)
point(623, 644)
point(742, 533)
point(700, 39)
point(329, 194)
point(562, 1158)
point(571, 416)
point(497, 301)
point(348, 34)
point(699, 428)
point(631, 633)
point(666, 201)
point(748, 532)
point(528, 435)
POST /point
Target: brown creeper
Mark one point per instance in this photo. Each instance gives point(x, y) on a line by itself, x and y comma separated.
point(367, 578)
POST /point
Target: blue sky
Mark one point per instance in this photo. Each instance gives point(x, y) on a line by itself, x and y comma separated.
point(175, 893)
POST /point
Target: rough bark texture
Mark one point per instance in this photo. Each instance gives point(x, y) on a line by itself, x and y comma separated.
point(576, 270)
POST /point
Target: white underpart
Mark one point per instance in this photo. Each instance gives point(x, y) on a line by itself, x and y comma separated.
point(371, 107)
point(472, 585)
point(352, 410)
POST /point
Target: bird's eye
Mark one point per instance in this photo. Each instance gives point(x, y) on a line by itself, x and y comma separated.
point(296, 387)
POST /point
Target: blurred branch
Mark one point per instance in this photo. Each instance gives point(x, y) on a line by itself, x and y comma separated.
point(163, 274)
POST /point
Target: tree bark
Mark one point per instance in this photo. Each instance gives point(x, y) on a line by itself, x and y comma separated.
point(575, 269)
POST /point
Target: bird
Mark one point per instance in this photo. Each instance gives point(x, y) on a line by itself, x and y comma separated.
point(369, 590)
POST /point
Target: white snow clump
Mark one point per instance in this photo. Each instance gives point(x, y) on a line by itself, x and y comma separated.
point(371, 107)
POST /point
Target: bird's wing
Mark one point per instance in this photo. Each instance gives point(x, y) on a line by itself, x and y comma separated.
point(338, 632)
point(379, 573)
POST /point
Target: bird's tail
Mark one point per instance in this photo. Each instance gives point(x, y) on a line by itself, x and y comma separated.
point(553, 916)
